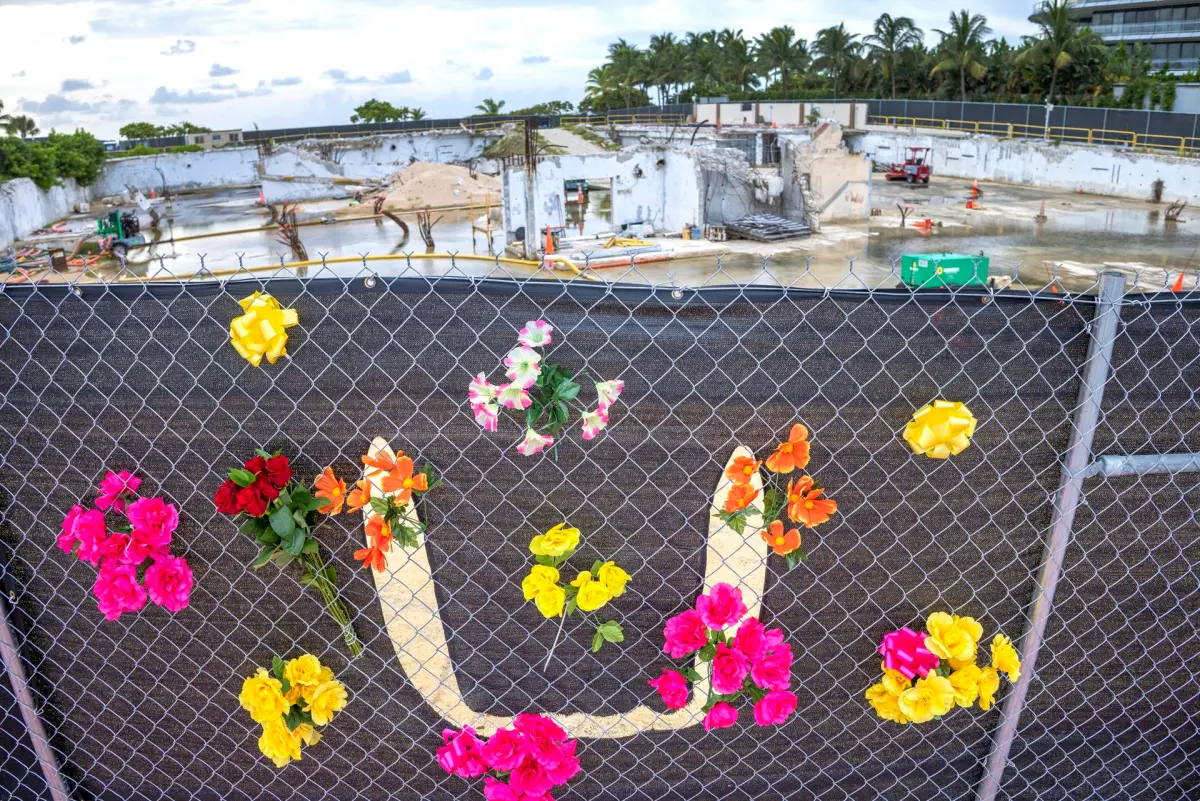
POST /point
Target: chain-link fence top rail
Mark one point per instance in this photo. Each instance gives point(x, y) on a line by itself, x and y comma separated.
point(143, 377)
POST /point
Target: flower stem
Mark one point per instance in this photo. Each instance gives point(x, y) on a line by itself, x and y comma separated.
point(333, 604)
point(550, 655)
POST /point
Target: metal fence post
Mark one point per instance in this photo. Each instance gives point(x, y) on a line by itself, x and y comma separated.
point(33, 723)
point(1066, 501)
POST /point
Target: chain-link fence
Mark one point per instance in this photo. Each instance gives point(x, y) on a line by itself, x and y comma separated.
point(141, 376)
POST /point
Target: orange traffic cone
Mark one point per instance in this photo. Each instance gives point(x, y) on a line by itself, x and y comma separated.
point(1178, 285)
point(975, 187)
point(549, 242)
point(152, 194)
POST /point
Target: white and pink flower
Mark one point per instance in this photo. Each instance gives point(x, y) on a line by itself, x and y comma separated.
point(486, 415)
point(481, 390)
point(512, 396)
point(535, 334)
point(533, 443)
point(524, 366)
point(594, 422)
point(608, 392)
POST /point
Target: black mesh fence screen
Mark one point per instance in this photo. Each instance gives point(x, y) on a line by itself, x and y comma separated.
point(142, 377)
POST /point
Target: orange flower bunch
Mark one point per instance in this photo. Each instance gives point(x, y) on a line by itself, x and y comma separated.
point(802, 501)
point(391, 516)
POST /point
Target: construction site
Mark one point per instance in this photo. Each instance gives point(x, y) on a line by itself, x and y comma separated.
point(829, 195)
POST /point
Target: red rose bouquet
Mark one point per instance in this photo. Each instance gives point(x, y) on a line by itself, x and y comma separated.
point(280, 515)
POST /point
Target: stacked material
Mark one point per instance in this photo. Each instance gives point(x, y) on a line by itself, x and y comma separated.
point(767, 228)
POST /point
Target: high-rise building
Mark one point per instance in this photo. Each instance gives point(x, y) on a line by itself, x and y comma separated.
point(1172, 29)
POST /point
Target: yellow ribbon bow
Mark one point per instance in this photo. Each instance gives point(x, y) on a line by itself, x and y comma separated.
point(262, 329)
point(940, 429)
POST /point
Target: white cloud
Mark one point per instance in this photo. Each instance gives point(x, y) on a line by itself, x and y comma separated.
point(535, 59)
point(76, 85)
point(163, 95)
point(286, 81)
point(181, 48)
point(220, 71)
point(76, 39)
point(484, 74)
point(396, 77)
point(341, 76)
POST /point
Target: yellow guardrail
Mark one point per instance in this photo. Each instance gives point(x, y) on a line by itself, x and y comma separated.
point(1180, 145)
point(625, 119)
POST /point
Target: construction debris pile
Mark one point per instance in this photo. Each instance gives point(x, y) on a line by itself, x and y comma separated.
point(426, 185)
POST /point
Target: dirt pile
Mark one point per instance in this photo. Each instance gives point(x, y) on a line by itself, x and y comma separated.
point(427, 184)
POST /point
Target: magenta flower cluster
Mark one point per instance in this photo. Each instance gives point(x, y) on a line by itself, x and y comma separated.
point(142, 529)
point(535, 754)
point(755, 661)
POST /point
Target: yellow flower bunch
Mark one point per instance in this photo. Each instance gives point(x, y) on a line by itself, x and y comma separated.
point(290, 702)
point(932, 681)
point(590, 590)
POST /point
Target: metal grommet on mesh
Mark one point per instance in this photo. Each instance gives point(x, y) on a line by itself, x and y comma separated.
point(139, 374)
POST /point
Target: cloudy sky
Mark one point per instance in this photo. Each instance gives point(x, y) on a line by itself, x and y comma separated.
point(233, 63)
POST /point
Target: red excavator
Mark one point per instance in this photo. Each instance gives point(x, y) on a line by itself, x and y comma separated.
point(915, 169)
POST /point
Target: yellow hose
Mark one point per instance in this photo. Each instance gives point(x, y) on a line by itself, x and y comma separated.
point(342, 260)
point(560, 259)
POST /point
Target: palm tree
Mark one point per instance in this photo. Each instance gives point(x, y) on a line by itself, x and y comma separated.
point(489, 107)
point(602, 90)
point(835, 48)
point(962, 48)
point(892, 36)
point(21, 126)
point(739, 68)
point(778, 52)
point(660, 58)
point(4, 118)
point(627, 63)
point(417, 114)
point(1061, 40)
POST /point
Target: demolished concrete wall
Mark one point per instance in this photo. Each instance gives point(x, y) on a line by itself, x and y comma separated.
point(1118, 172)
point(651, 186)
point(732, 189)
point(230, 166)
point(820, 172)
point(24, 207)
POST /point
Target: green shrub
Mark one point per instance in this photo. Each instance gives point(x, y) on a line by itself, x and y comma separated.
point(186, 149)
point(78, 155)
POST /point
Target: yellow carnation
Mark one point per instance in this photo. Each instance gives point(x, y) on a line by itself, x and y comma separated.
point(305, 669)
point(613, 578)
point(306, 734)
point(540, 577)
point(278, 744)
point(1005, 658)
point(326, 699)
point(895, 682)
point(551, 600)
point(965, 682)
point(262, 697)
point(989, 682)
point(953, 638)
point(592, 594)
point(295, 693)
point(557, 541)
point(886, 704)
point(930, 697)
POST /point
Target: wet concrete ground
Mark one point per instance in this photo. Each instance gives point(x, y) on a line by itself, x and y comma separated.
point(1081, 235)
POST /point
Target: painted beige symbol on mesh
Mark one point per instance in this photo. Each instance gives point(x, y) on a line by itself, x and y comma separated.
point(413, 621)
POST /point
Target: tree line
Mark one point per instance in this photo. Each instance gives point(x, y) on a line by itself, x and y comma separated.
point(1064, 63)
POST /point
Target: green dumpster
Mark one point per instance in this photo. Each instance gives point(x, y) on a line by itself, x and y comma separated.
point(944, 269)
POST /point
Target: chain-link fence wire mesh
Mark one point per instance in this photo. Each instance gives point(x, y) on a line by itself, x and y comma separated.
point(141, 376)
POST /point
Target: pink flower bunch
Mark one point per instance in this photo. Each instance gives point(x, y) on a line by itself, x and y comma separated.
point(540, 392)
point(755, 661)
point(119, 549)
point(535, 754)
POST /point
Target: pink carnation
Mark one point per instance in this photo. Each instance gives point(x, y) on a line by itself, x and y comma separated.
point(496, 790)
point(92, 535)
point(684, 634)
point(722, 607)
point(774, 672)
point(904, 650)
point(529, 778)
point(721, 716)
point(751, 639)
point(774, 708)
point(729, 669)
point(505, 749)
point(567, 767)
point(68, 537)
point(156, 518)
point(169, 582)
point(461, 755)
point(141, 544)
point(117, 589)
point(673, 688)
point(113, 489)
point(543, 736)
